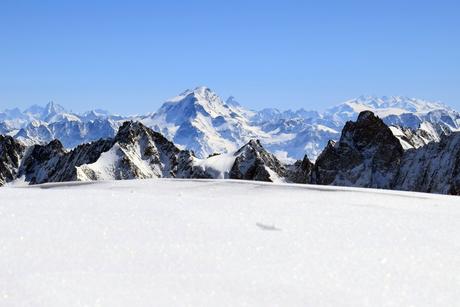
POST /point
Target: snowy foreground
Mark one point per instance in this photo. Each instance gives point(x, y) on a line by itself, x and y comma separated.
point(226, 243)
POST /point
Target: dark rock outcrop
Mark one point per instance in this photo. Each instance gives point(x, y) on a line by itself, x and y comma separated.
point(300, 171)
point(11, 153)
point(253, 162)
point(367, 155)
point(40, 162)
point(186, 167)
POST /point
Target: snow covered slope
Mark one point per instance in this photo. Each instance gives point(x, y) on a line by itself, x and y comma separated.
point(226, 243)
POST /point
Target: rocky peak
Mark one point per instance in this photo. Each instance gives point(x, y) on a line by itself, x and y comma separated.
point(132, 133)
point(300, 171)
point(51, 109)
point(367, 154)
point(132, 130)
point(253, 146)
point(369, 131)
point(253, 162)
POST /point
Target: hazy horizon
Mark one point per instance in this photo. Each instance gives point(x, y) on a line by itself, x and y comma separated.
point(80, 111)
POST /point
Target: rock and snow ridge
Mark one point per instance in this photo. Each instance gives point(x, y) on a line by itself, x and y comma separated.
point(366, 155)
point(200, 121)
point(136, 152)
point(369, 155)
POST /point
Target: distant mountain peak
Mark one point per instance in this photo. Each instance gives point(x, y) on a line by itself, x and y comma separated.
point(53, 108)
point(402, 103)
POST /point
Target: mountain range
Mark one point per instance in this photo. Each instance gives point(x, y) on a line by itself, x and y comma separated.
point(201, 121)
point(367, 154)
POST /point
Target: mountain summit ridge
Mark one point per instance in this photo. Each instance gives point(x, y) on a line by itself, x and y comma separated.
point(200, 120)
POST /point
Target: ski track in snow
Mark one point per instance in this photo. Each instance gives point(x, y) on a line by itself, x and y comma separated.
point(166, 242)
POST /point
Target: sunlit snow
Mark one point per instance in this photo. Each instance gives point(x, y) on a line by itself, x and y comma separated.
point(226, 243)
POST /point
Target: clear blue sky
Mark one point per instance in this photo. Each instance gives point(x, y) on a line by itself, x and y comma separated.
point(129, 56)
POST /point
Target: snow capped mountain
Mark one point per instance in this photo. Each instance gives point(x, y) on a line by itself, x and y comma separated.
point(384, 106)
point(40, 125)
point(201, 121)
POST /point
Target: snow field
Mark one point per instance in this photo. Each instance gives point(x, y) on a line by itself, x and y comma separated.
point(171, 242)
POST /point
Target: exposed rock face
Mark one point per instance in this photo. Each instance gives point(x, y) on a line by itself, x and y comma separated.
point(300, 171)
point(434, 168)
point(253, 162)
point(188, 169)
point(41, 161)
point(11, 153)
point(367, 155)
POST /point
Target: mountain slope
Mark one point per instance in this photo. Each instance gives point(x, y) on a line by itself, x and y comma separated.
point(433, 168)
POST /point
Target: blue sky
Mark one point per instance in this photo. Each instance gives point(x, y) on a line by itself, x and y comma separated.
point(129, 56)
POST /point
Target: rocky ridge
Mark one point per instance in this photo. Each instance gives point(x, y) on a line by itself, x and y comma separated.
point(368, 154)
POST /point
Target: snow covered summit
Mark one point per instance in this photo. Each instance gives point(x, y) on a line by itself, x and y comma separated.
point(201, 121)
